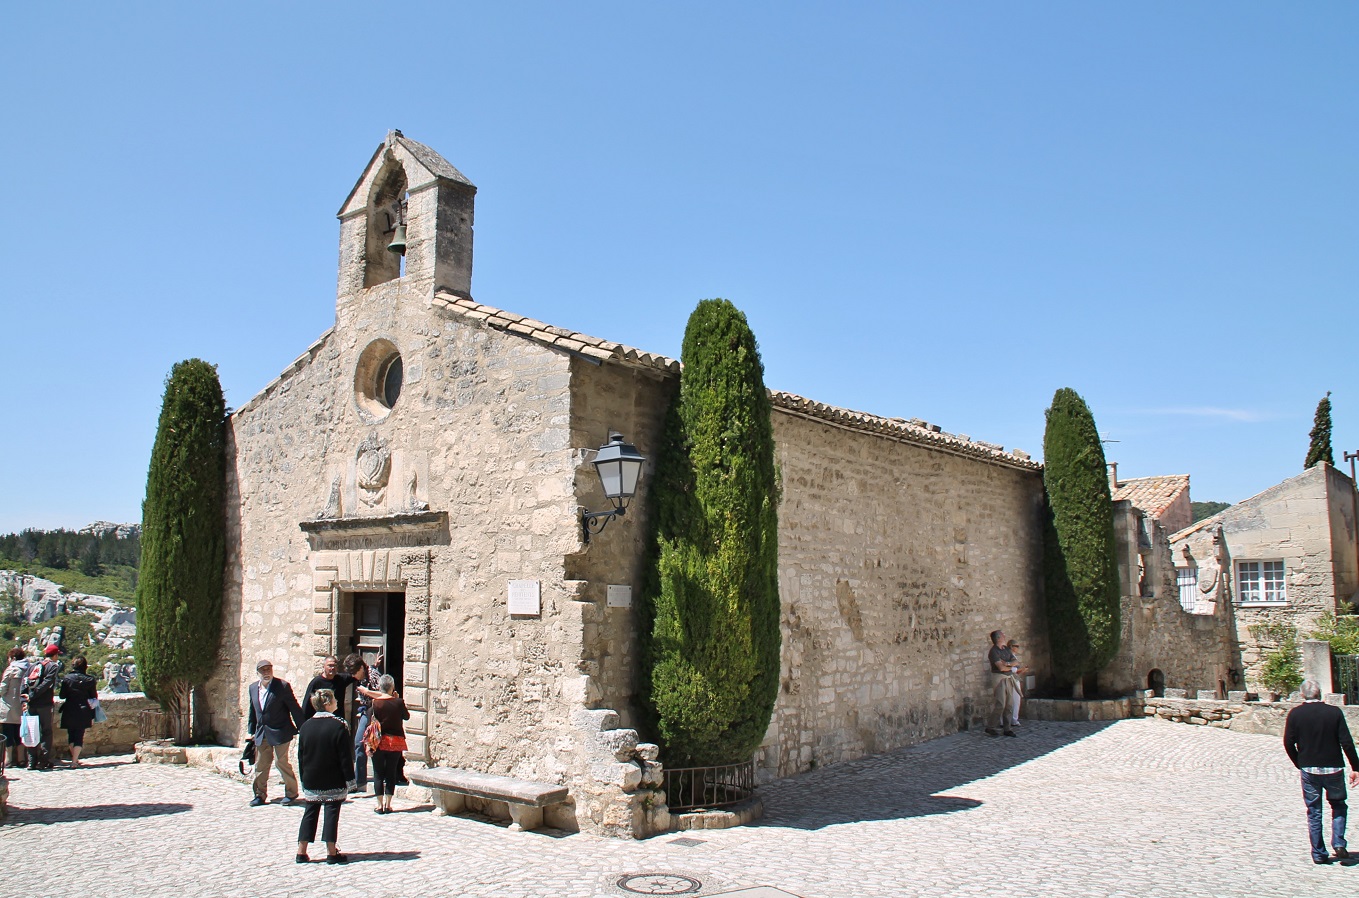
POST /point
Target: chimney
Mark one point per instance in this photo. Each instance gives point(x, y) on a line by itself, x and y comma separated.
point(1113, 476)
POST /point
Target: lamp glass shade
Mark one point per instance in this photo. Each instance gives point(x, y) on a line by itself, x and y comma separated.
point(620, 467)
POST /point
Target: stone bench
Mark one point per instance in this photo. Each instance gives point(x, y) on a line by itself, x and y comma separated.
point(525, 799)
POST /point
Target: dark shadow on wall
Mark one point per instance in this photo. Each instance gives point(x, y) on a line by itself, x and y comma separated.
point(908, 782)
point(45, 816)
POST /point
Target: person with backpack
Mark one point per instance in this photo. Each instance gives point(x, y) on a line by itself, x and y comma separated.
point(40, 693)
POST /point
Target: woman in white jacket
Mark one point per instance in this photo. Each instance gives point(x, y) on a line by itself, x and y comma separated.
point(12, 707)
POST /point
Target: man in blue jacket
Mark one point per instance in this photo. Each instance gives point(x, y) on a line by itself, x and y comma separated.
point(274, 719)
point(1315, 737)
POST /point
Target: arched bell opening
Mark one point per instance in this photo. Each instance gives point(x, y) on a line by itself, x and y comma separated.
point(385, 247)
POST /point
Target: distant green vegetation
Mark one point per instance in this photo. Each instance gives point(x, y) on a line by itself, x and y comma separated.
point(1202, 510)
point(63, 549)
point(118, 581)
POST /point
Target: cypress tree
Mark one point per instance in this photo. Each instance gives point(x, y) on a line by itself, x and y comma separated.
point(1320, 447)
point(710, 610)
point(1080, 562)
point(179, 591)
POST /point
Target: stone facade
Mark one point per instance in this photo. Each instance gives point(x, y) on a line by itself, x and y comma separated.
point(1307, 523)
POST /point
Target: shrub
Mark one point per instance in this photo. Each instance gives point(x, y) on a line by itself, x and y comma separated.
point(710, 610)
point(1282, 670)
point(1340, 630)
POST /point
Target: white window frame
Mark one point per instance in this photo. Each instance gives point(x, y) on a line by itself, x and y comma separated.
point(1262, 581)
point(1187, 579)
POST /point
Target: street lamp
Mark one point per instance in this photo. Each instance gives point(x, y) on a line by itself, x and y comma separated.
point(619, 466)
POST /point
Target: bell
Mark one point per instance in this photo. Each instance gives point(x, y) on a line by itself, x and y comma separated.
point(398, 244)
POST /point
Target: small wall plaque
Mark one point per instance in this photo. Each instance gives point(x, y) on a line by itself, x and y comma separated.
point(525, 597)
point(619, 596)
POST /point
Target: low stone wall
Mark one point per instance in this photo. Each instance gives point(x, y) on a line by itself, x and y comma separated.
point(115, 736)
point(1259, 718)
point(1074, 709)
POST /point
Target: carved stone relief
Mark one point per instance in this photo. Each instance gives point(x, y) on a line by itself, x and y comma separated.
point(374, 469)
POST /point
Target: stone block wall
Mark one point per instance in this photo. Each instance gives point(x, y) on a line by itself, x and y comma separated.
point(632, 402)
point(1191, 650)
point(895, 562)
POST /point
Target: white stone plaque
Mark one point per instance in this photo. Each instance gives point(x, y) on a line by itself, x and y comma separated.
point(619, 596)
point(525, 597)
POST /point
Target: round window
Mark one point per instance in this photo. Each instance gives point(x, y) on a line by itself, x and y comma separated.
point(391, 381)
point(378, 378)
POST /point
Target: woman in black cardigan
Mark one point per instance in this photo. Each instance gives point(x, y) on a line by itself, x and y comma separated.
point(78, 689)
point(325, 764)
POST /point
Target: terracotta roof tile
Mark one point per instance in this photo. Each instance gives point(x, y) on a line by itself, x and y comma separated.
point(1152, 495)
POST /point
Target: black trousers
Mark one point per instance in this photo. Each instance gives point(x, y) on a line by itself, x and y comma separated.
point(387, 766)
point(330, 831)
point(41, 754)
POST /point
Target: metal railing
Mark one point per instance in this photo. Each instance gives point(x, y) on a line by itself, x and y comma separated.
point(688, 788)
point(153, 725)
point(1345, 677)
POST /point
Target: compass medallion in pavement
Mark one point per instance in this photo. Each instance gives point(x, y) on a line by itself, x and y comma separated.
point(658, 884)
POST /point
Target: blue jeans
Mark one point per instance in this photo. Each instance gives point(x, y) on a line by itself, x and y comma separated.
point(360, 756)
point(1333, 785)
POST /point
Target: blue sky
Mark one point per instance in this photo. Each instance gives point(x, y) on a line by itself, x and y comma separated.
point(943, 211)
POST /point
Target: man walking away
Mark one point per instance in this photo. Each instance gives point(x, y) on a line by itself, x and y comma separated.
point(1315, 736)
point(274, 719)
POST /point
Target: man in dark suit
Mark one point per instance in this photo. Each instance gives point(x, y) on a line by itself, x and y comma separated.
point(1315, 736)
point(274, 719)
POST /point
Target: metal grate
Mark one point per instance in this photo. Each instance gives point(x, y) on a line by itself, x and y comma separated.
point(153, 725)
point(687, 788)
point(1345, 676)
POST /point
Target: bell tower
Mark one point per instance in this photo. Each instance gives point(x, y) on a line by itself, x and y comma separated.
point(408, 220)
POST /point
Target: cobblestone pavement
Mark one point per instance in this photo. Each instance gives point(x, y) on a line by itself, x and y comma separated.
point(1138, 808)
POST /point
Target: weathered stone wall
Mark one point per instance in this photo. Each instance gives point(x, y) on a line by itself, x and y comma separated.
point(1308, 522)
point(1343, 503)
point(895, 562)
point(632, 402)
point(1191, 650)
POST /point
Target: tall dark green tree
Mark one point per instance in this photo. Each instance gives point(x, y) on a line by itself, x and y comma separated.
point(1080, 561)
point(1319, 449)
point(710, 611)
point(179, 592)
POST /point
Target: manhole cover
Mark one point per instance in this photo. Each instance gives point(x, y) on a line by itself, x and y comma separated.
point(658, 884)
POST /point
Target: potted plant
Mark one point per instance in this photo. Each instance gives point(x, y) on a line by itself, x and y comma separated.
point(1282, 671)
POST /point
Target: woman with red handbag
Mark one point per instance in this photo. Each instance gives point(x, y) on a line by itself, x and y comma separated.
point(385, 741)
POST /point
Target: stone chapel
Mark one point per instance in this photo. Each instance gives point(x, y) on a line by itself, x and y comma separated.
point(426, 461)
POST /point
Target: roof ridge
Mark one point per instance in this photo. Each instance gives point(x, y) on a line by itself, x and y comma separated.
point(913, 430)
